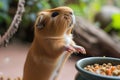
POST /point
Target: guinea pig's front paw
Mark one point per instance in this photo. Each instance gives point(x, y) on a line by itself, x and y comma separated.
point(79, 49)
point(69, 49)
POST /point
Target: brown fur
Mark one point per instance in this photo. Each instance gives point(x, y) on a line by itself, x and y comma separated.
point(50, 44)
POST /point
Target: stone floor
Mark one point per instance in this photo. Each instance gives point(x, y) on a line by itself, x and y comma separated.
point(12, 60)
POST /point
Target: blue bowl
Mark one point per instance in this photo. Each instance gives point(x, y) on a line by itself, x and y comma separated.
point(86, 75)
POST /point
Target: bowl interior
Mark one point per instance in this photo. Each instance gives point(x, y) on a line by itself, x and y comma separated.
point(99, 60)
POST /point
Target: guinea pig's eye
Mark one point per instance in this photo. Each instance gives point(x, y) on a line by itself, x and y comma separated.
point(54, 14)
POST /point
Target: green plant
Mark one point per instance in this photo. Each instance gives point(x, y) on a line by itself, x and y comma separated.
point(115, 24)
point(116, 21)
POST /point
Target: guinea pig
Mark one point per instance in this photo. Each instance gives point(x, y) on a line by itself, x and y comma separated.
point(52, 44)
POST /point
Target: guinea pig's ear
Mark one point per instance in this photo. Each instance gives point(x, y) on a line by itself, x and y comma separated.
point(40, 22)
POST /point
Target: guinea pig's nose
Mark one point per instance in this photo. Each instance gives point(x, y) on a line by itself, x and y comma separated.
point(68, 14)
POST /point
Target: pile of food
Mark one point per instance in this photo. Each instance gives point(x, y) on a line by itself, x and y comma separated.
point(107, 69)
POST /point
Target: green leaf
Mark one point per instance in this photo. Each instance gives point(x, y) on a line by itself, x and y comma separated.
point(116, 21)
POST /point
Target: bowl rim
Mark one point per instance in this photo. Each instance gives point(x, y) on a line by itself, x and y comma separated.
point(79, 68)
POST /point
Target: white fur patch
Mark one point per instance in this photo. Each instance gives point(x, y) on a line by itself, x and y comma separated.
point(73, 17)
point(68, 39)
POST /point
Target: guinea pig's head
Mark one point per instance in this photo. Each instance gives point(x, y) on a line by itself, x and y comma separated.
point(54, 22)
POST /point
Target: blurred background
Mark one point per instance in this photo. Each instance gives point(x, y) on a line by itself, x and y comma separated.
point(104, 15)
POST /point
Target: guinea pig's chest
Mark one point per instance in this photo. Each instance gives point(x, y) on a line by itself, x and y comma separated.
point(68, 39)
